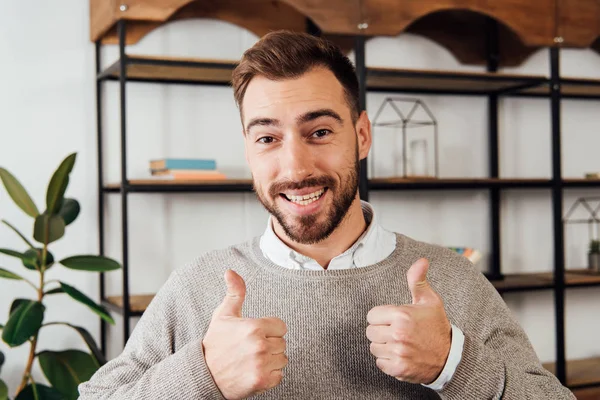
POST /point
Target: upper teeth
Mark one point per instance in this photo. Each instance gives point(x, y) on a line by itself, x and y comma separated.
point(306, 196)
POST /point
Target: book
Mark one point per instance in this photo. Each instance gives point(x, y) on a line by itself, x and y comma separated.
point(190, 176)
point(183, 163)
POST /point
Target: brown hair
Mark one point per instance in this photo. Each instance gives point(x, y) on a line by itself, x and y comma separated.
point(286, 55)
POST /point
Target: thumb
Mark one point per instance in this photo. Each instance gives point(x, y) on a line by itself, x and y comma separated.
point(417, 282)
point(231, 306)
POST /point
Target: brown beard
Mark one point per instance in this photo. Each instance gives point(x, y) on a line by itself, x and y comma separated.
point(305, 229)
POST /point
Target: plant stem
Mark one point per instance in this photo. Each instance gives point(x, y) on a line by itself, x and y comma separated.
point(40, 290)
point(36, 395)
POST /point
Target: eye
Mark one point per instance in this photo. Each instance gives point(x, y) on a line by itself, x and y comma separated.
point(265, 140)
point(321, 133)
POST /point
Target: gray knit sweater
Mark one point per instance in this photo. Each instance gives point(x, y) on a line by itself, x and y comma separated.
point(325, 313)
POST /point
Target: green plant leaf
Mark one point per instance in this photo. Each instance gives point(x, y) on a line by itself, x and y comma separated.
point(91, 343)
point(54, 291)
point(3, 390)
point(18, 193)
point(17, 232)
point(82, 298)
point(48, 228)
point(69, 210)
point(58, 185)
point(65, 370)
point(16, 303)
point(4, 273)
point(43, 392)
point(23, 323)
point(90, 263)
point(13, 253)
point(33, 259)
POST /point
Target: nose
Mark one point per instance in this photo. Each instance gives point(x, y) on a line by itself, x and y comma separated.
point(297, 160)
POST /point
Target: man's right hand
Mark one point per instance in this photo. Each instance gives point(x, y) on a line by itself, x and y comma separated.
point(244, 355)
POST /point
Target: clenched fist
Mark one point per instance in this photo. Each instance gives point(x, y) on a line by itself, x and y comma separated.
point(412, 342)
point(245, 356)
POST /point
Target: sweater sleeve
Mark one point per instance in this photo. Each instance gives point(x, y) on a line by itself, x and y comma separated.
point(498, 361)
point(161, 359)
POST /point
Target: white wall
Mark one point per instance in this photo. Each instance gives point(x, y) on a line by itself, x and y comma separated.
point(47, 110)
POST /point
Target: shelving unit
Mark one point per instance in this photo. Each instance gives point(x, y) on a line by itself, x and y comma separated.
point(492, 85)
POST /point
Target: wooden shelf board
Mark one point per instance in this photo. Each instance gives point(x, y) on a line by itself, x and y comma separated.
point(580, 372)
point(545, 280)
point(392, 183)
point(167, 184)
point(174, 69)
point(137, 303)
point(588, 393)
point(570, 87)
point(182, 69)
point(516, 282)
point(474, 82)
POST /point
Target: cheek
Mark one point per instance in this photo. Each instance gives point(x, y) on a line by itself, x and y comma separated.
point(264, 168)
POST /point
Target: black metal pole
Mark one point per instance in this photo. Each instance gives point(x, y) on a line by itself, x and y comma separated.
point(361, 72)
point(124, 184)
point(100, 190)
point(557, 207)
point(494, 163)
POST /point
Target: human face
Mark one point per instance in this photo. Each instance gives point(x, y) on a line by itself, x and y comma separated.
point(303, 150)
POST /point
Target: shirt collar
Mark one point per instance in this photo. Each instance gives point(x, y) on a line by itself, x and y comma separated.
point(374, 245)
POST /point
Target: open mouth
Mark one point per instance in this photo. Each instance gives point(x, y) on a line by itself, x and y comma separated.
point(305, 199)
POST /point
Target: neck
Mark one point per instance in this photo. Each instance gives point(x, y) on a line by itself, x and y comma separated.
point(340, 240)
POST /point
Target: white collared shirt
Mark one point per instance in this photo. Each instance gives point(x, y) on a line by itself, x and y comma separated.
point(373, 246)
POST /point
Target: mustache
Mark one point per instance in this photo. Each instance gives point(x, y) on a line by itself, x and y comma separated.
point(279, 187)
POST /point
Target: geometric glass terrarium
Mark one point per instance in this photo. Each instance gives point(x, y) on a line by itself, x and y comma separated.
point(584, 211)
point(405, 140)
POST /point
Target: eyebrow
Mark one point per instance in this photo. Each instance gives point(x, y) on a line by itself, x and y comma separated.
point(302, 119)
point(324, 112)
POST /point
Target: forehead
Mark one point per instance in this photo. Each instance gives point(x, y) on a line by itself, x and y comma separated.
point(317, 88)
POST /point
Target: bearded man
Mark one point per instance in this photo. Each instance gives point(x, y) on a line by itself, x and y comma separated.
point(326, 304)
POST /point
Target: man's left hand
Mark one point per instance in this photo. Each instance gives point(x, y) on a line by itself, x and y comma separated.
point(412, 342)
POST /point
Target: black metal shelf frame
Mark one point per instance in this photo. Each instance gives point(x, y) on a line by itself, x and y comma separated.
point(118, 72)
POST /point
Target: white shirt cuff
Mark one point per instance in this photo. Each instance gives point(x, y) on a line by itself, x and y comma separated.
point(454, 357)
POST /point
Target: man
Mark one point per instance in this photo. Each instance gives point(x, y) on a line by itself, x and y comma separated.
point(326, 304)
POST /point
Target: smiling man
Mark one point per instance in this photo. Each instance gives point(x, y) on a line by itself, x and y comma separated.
point(326, 304)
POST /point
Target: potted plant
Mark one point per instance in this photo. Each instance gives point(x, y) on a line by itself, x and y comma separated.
point(594, 255)
point(66, 369)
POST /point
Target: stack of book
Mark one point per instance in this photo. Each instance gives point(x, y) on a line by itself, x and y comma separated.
point(186, 169)
point(472, 254)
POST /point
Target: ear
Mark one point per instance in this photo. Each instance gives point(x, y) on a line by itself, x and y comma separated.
point(363, 135)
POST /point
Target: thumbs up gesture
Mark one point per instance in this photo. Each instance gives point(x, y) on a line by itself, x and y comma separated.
point(245, 356)
point(412, 342)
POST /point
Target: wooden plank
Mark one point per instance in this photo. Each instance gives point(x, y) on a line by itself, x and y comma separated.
point(102, 17)
point(463, 34)
point(576, 277)
point(583, 87)
point(256, 16)
point(391, 17)
point(400, 180)
point(159, 182)
point(393, 78)
point(519, 281)
point(580, 372)
point(587, 394)
point(578, 22)
point(137, 303)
